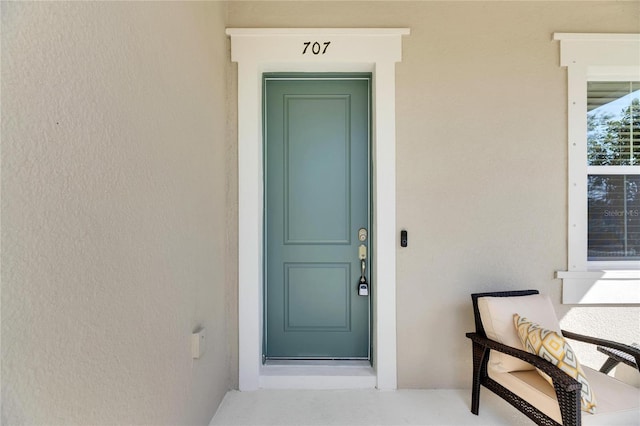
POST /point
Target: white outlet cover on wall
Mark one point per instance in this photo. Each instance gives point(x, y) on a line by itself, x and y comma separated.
point(197, 343)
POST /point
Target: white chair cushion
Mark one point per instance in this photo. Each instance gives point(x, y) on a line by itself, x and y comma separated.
point(618, 402)
point(496, 314)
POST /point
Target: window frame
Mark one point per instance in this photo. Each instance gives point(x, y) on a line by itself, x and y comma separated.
point(593, 57)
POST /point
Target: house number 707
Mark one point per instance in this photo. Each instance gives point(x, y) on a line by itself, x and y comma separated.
point(316, 48)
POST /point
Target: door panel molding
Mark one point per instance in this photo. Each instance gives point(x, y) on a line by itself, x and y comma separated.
point(295, 234)
point(297, 316)
point(258, 51)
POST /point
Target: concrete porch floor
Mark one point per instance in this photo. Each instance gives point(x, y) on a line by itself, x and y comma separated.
point(363, 407)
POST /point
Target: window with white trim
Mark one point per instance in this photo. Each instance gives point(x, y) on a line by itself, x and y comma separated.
point(613, 178)
point(604, 167)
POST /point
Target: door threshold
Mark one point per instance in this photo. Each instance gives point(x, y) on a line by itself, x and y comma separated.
point(317, 374)
point(318, 362)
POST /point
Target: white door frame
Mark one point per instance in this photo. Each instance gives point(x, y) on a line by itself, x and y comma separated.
point(281, 50)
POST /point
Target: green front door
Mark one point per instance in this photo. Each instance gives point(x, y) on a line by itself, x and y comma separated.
point(316, 202)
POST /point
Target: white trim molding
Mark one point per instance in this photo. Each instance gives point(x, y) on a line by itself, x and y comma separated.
point(600, 287)
point(257, 51)
point(593, 57)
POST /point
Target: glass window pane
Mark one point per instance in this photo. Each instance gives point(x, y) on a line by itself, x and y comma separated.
point(614, 217)
point(613, 123)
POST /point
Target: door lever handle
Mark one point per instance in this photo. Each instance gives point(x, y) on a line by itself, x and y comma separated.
point(363, 286)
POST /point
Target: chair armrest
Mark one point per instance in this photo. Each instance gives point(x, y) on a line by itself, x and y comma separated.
point(559, 377)
point(633, 351)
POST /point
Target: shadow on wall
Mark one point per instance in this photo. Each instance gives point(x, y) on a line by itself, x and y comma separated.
point(617, 323)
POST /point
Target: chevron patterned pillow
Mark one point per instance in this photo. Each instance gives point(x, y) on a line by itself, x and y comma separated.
point(553, 347)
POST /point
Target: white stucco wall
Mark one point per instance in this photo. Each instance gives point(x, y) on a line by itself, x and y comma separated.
point(113, 212)
point(481, 162)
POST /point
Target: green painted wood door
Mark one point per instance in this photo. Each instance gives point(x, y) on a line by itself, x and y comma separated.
point(316, 200)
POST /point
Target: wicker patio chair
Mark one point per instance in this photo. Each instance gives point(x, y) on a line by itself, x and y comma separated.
point(526, 390)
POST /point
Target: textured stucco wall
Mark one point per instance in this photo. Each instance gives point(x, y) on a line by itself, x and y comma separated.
point(113, 212)
point(481, 161)
point(119, 192)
